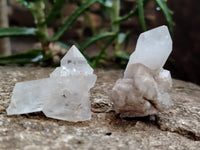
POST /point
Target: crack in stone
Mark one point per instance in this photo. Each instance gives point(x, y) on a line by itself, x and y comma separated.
point(185, 133)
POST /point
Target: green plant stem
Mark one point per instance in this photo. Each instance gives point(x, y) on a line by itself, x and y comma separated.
point(126, 17)
point(96, 38)
point(140, 4)
point(99, 56)
point(71, 19)
point(130, 14)
point(37, 8)
point(17, 31)
point(167, 13)
point(114, 16)
point(94, 32)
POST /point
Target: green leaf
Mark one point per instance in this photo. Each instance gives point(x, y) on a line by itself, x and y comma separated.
point(72, 18)
point(15, 31)
point(55, 11)
point(122, 58)
point(25, 3)
point(106, 3)
point(30, 56)
point(167, 13)
point(102, 51)
point(122, 37)
point(130, 14)
point(29, 3)
point(126, 17)
point(122, 55)
point(96, 38)
point(63, 45)
point(141, 14)
point(47, 56)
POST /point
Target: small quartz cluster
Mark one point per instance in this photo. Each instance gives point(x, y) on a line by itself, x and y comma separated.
point(64, 96)
point(144, 88)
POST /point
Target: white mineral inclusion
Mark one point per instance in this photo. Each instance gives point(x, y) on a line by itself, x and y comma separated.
point(64, 96)
point(144, 89)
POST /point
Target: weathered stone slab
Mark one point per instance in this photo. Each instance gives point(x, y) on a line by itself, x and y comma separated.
point(176, 129)
point(184, 116)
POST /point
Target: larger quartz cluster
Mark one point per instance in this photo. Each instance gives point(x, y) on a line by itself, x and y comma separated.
point(64, 96)
point(144, 89)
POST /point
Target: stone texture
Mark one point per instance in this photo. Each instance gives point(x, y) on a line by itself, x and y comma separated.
point(184, 116)
point(174, 129)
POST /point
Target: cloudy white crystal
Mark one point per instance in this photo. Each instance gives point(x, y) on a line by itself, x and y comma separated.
point(153, 48)
point(64, 96)
point(144, 89)
point(72, 63)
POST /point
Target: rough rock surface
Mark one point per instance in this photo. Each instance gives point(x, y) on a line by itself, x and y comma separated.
point(175, 129)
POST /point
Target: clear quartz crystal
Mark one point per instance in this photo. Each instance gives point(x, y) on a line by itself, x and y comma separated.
point(144, 89)
point(153, 48)
point(72, 63)
point(64, 96)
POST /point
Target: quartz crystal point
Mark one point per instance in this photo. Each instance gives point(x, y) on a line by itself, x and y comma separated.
point(153, 48)
point(64, 96)
point(144, 88)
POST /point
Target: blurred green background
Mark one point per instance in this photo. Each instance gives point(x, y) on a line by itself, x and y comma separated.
point(96, 32)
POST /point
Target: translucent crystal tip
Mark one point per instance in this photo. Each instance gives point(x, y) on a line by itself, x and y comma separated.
point(153, 48)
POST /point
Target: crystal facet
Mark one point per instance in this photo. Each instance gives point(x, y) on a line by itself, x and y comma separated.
point(144, 89)
point(153, 48)
point(64, 96)
point(72, 63)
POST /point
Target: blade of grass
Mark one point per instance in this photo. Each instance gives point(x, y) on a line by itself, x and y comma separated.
point(141, 14)
point(63, 45)
point(37, 7)
point(122, 55)
point(130, 14)
point(15, 31)
point(55, 11)
point(99, 56)
point(96, 38)
point(72, 18)
point(94, 32)
point(25, 3)
point(126, 17)
point(106, 3)
point(31, 56)
point(167, 13)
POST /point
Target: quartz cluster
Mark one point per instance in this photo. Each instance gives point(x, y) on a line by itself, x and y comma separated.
point(64, 96)
point(144, 88)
